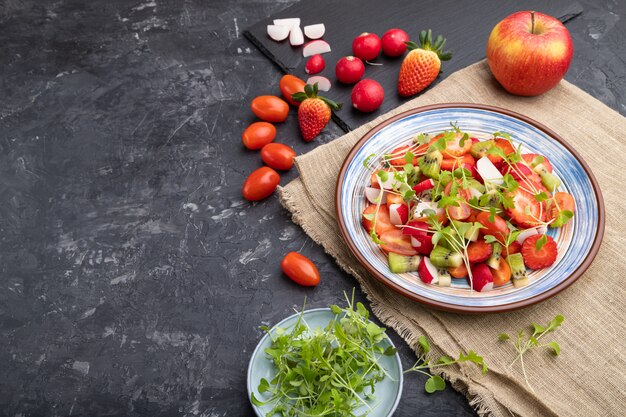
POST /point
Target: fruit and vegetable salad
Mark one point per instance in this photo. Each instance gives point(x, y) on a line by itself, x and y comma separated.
point(454, 206)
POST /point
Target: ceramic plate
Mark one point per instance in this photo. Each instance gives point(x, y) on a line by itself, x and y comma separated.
point(388, 391)
point(578, 241)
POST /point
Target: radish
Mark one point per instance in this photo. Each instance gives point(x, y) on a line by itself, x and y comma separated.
point(398, 214)
point(488, 171)
point(423, 244)
point(524, 234)
point(474, 192)
point(389, 183)
point(349, 69)
point(296, 37)
point(393, 42)
point(315, 64)
point(315, 31)
point(278, 33)
point(373, 194)
point(323, 83)
point(423, 186)
point(290, 22)
point(366, 46)
point(367, 95)
point(427, 271)
point(315, 47)
point(482, 278)
point(419, 209)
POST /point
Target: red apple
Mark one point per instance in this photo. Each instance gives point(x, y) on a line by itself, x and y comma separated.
point(529, 52)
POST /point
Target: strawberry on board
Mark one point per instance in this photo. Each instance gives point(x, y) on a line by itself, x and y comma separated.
point(539, 251)
point(421, 65)
point(314, 111)
point(526, 211)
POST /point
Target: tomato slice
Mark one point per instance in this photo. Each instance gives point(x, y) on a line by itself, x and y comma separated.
point(459, 271)
point(463, 210)
point(502, 275)
point(397, 242)
point(450, 164)
point(497, 228)
point(383, 223)
point(503, 144)
point(454, 148)
point(565, 201)
point(399, 153)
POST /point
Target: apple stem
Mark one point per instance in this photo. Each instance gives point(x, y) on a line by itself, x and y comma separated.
point(532, 22)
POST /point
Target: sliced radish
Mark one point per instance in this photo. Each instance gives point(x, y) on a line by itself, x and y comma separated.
point(482, 278)
point(373, 194)
point(315, 31)
point(415, 242)
point(488, 171)
point(323, 84)
point(296, 37)
point(315, 47)
point(524, 234)
point(428, 271)
point(426, 205)
point(474, 192)
point(398, 214)
point(278, 33)
point(290, 22)
point(424, 185)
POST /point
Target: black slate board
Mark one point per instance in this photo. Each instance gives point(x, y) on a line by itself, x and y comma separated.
point(466, 31)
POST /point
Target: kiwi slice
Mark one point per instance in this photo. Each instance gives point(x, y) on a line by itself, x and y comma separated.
point(480, 149)
point(496, 255)
point(444, 277)
point(430, 164)
point(550, 181)
point(399, 264)
point(490, 199)
point(471, 234)
point(443, 258)
point(518, 270)
point(472, 183)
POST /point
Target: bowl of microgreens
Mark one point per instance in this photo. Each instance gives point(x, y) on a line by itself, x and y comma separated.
point(325, 361)
point(469, 208)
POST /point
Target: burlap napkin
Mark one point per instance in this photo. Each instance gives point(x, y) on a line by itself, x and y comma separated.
point(589, 376)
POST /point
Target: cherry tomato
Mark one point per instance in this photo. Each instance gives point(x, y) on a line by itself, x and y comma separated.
point(300, 269)
point(270, 108)
point(290, 84)
point(463, 210)
point(258, 134)
point(260, 184)
point(278, 156)
point(497, 228)
point(502, 275)
point(396, 242)
point(383, 223)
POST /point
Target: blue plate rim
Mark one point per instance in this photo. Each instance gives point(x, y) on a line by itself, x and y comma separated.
point(454, 307)
point(256, 352)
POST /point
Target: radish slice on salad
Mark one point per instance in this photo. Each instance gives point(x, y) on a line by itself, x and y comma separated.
point(315, 31)
point(524, 234)
point(289, 22)
point(278, 33)
point(323, 84)
point(482, 278)
point(315, 47)
point(373, 194)
point(296, 37)
point(419, 209)
point(398, 214)
point(488, 171)
point(428, 271)
point(424, 185)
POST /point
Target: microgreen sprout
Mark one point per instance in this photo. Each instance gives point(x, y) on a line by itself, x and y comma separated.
point(523, 345)
point(424, 363)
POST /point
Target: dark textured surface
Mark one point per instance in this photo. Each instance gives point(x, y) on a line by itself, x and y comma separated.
point(134, 277)
point(466, 40)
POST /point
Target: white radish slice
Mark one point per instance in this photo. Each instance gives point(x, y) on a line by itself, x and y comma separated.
point(487, 287)
point(296, 37)
point(525, 234)
point(315, 47)
point(278, 33)
point(475, 193)
point(425, 205)
point(290, 22)
point(415, 243)
point(323, 84)
point(373, 194)
point(315, 31)
point(488, 171)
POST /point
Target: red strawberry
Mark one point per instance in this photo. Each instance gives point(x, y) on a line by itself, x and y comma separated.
point(421, 65)
point(539, 258)
point(527, 211)
point(514, 247)
point(314, 111)
point(479, 251)
point(529, 158)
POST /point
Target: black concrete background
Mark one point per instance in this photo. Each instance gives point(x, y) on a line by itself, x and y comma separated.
point(133, 275)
